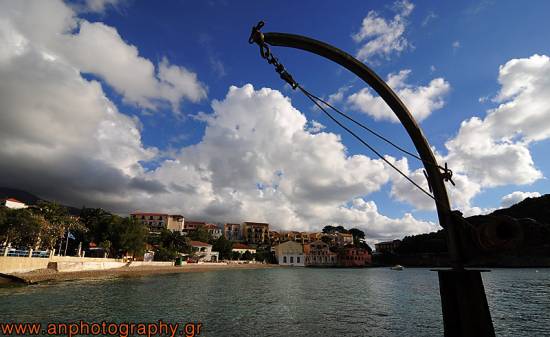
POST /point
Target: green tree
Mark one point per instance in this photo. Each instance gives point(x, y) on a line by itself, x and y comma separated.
point(200, 234)
point(106, 245)
point(171, 245)
point(328, 229)
point(49, 233)
point(247, 256)
point(223, 246)
point(99, 225)
point(326, 239)
point(358, 235)
point(235, 256)
point(261, 255)
point(21, 227)
point(58, 222)
point(6, 228)
point(132, 236)
point(340, 229)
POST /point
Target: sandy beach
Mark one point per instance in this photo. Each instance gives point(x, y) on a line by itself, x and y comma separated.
point(46, 275)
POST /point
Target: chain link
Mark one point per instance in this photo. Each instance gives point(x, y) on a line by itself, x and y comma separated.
point(257, 37)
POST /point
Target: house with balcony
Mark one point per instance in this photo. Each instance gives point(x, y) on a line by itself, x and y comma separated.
point(202, 252)
point(232, 231)
point(175, 223)
point(351, 256)
point(156, 222)
point(255, 232)
point(343, 239)
point(318, 254)
point(214, 230)
point(315, 236)
point(274, 238)
point(190, 226)
point(386, 247)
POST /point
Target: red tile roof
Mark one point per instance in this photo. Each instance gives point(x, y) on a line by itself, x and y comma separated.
point(149, 214)
point(191, 222)
point(14, 200)
point(199, 244)
point(241, 246)
point(256, 223)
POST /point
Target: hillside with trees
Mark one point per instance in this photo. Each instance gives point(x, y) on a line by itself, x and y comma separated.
point(515, 236)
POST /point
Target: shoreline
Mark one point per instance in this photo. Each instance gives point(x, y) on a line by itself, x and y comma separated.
point(48, 275)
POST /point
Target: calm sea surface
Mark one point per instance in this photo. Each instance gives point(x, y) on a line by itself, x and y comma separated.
point(286, 302)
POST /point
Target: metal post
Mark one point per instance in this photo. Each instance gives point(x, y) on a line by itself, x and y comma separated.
point(66, 243)
point(60, 245)
point(464, 305)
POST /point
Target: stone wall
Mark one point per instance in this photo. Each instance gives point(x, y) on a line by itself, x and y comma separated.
point(151, 264)
point(16, 264)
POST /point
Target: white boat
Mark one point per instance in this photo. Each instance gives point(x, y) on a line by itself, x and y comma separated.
point(397, 267)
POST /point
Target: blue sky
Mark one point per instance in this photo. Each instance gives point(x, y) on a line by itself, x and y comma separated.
point(451, 54)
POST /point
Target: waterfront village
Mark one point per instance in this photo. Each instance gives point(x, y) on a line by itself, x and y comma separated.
point(192, 241)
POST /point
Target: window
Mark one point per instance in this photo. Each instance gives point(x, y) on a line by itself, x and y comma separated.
point(284, 259)
point(298, 259)
point(292, 259)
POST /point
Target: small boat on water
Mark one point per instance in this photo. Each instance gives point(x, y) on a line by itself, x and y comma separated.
point(397, 267)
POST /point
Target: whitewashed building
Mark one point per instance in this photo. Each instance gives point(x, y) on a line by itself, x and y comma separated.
point(13, 203)
point(203, 252)
point(241, 248)
point(290, 253)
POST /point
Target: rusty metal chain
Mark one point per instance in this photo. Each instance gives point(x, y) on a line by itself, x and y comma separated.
point(257, 37)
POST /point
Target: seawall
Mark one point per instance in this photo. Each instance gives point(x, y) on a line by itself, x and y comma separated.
point(15, 264)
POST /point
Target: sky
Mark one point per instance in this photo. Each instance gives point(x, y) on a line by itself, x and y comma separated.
point(165, 107)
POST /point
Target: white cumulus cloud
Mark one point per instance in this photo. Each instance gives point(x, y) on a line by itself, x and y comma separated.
point(494, 150)
point(60, 136)
point(260, 160)
point(420, 100)
point(381, 37)
point(96, 48)
point(97, 6)
point(515, 197)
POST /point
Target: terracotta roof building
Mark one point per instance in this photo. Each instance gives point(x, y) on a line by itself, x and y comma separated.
point(13, 203)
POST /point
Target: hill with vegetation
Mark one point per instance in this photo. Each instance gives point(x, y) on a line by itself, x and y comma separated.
point(29, 198)
point(515, 236)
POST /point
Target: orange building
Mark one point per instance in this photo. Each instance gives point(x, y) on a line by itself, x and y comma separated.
point(255, 232)
point(354, 257)
point(232, 231)
point(319, 255)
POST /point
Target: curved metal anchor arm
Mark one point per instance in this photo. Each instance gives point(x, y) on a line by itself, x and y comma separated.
point(435, 177)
